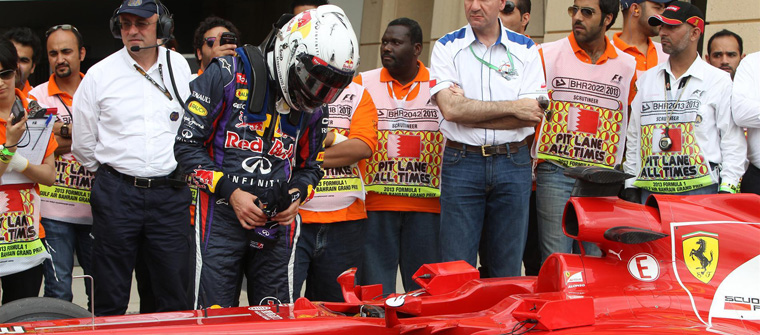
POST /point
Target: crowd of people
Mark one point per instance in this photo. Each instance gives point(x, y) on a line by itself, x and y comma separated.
point(282, 164)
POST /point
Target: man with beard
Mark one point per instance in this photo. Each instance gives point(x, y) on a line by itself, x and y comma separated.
point(67, 221)
point(725, 50)
point(581, 129)
point(29, 50)
point(207, 41)
point(486, 178)
point(682, 139)
point(636, 37)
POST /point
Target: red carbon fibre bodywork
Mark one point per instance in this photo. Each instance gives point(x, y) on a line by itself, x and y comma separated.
point(699, 272)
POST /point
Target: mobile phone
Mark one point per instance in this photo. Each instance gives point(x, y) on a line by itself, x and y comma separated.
point(17, 112)
point(228, 38)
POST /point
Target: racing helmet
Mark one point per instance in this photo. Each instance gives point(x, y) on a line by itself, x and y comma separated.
point(315, 57)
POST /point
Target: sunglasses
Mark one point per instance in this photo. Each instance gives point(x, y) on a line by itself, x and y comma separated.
point(210, 41)
point(7, 74)
point(585, 11)
point(509, 7)
point(60, 26)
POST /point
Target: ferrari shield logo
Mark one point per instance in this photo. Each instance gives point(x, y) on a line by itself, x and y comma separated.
point(700, 253)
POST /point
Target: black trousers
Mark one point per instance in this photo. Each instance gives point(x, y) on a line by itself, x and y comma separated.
point(751, 180)
point(23, 284)
point(154, 221)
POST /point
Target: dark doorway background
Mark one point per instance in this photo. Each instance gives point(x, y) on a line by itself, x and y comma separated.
point(254, 19)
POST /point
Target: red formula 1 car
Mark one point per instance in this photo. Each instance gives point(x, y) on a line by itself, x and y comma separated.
point(677, 265)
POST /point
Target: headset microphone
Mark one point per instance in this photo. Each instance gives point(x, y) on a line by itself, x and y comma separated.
point(135, 48)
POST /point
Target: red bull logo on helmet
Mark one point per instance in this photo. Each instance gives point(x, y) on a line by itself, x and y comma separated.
point(302, 24)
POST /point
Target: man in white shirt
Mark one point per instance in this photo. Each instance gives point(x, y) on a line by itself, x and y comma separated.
point(126, 114)
point(681, 138)
point(486, 173)
point(745, 106)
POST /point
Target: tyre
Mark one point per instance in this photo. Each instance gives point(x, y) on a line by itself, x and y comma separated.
point(40, 309)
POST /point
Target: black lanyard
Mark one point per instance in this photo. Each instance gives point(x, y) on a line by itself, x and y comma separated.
point(681, 85)
point(71, 115)
point(161, 73)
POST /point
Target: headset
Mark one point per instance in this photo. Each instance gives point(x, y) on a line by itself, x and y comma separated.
point(164, 26)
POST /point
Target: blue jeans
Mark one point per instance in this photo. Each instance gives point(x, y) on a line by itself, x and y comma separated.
point(710, 189)
point(393, 239)
point(62, 239)
point(552, 193)
point(323, 252)
point(486, 196)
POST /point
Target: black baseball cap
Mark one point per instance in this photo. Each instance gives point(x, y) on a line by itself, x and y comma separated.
point(141, 8)
point(678, 13)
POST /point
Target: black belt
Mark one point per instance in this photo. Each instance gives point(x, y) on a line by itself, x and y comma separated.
point(141, 182)
point(490, 150)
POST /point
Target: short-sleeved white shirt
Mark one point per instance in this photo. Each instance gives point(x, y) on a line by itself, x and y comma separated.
point(453, 62)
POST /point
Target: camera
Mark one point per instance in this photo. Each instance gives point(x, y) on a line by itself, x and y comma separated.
point(228, 38)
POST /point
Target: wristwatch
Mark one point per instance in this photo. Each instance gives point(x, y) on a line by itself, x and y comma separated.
point(65, 132)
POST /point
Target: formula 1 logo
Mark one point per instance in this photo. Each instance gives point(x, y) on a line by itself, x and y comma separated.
point(263, 165)
point(700, 253)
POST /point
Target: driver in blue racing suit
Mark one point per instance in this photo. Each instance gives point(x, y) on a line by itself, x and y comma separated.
point(252, 140)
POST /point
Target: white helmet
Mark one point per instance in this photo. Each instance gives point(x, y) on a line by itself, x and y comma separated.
point(314, 58)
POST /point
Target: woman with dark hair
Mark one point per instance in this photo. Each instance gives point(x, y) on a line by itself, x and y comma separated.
point(21, 250)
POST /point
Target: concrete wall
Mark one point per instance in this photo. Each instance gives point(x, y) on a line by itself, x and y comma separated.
point(377, 14)
point(739, 16)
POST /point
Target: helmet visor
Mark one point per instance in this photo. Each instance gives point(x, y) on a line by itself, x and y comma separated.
point(313, 82)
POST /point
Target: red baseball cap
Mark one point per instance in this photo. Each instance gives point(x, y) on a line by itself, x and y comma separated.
point(678, 13)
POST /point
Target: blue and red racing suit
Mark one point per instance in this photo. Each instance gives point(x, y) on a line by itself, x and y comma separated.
point(223, 147)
